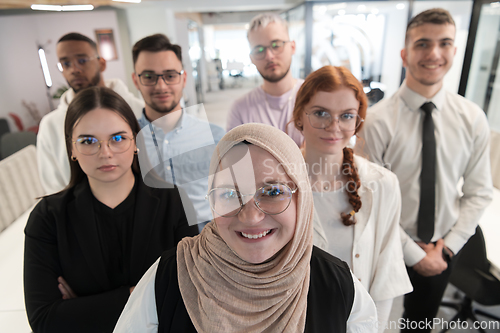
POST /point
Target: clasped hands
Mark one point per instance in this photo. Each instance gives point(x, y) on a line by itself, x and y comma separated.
point(433, 263)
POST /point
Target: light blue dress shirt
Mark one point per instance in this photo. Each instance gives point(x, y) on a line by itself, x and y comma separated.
point(180, 156)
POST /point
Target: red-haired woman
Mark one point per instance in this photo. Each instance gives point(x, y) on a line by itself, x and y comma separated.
point(357, 203)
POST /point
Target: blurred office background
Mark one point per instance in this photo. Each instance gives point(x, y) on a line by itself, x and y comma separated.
point(364, 36)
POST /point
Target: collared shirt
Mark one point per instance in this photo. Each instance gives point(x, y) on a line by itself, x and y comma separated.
point(180, 156)
point(392, 136)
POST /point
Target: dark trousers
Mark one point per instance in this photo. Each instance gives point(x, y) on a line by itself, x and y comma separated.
point(422, 304)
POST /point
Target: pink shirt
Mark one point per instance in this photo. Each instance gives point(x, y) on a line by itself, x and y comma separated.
point(259, 107)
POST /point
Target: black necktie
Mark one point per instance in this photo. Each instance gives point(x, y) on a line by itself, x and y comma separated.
point(427, 177)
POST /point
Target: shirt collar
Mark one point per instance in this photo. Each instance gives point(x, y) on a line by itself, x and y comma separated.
point(183, 121)
point(414, 100)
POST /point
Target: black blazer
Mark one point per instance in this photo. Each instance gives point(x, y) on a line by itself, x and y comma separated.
point(62, 240)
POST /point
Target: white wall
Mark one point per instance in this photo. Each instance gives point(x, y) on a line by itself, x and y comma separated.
point(150, 20)
point(22, 77)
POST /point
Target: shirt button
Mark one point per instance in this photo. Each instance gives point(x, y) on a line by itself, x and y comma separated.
point(168, 168)
point(166, 141)
point(357, 255)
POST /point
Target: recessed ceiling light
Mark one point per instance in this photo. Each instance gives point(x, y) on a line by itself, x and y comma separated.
point(341, 12)
point(59, 8)
point(400, 6)
point(76, 7)
point(130, 1)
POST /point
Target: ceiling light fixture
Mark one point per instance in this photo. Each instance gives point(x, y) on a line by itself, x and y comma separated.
point(60, 8)
point(400, 6)
point(45, 67)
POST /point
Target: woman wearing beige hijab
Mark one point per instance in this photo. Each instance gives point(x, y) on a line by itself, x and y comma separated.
point(254, 267)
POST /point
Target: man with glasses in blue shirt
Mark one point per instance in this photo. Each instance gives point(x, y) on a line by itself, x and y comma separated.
point(82, 67)
point(178, 145)
point(273, 102)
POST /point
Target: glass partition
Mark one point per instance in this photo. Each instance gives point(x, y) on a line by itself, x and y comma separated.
point(297, 31)
point(483, 86)
point(364, 36)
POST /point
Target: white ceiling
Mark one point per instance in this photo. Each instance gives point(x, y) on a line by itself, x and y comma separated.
point(198, 6)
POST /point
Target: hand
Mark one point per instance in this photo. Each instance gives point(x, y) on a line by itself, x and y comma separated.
point(65, 289)
point(132, 289)
point(433, 263)
point(450, 252)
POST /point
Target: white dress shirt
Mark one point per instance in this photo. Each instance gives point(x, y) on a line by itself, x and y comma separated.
point(392, 136)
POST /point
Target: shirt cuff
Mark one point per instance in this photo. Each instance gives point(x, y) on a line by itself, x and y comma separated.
point(454, 242)
point(413, 253)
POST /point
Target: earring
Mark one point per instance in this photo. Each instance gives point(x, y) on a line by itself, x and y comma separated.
point(73, 158)
point(299, 123)
point(136, 151)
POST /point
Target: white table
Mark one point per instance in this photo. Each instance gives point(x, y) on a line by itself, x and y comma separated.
point(490, 224)
point(12, 311)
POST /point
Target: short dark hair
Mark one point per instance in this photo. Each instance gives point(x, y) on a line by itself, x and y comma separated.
point(85, 101)
point(78, 37)
point(434, 16)
point(155, 43)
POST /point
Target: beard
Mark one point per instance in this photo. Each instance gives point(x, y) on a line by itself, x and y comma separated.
point(274, 78)
point(93, 82)
point(163, 109)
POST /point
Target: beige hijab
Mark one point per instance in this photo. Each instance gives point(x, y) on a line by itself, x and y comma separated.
point(224, 293)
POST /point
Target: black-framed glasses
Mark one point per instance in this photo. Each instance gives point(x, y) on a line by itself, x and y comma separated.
point(347, 121)
point(80, 62)
point(276, 47)
point(271, 199)
point(169, 77)
point(88, 145)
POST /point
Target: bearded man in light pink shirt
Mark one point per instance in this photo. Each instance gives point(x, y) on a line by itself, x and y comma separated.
point(273, 102)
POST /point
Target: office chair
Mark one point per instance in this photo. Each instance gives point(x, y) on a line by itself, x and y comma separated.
point(15, 141)
point(472, 276)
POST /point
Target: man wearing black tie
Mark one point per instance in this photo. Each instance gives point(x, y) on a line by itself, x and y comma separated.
point(431, 139)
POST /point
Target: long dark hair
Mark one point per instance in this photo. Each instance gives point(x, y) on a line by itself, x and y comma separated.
point(85, 101)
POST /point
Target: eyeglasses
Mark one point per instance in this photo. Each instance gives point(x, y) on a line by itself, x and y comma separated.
point(80, 62)
point(88, 145)
point(259, 52)
point(169, 77)
point(347, 121)
point(271, 199)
